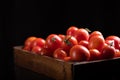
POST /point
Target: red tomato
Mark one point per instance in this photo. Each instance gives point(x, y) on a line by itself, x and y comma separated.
point(96, 42)
point(29, 40)
point(116, 40)
point(38, 42)
point(46, 52)
point(36, 49)
point(110, 42)
point(108, 52)
point(84, 43)
point(117, 53)
point(53, 41)
point(68, 42)
point(59, 53)
point(79, 53)
point(62, 36)
point(81, 34)
point(27, 48)
point(68, 58)
point(27, 43)
point(71, 30)
point(95, 33)
point(95, 54)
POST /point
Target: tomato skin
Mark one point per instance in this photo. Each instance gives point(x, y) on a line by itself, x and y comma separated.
point(81, 34)
point(117, 53)
point(45, 51)
point(95, 54)
point(27, 48)
point(95, 33)
point(110, 42)
point(108, 52)
point(59, 53)
point(36, 49)
point(53, 41)
point(68, 42)
point(96, 42)
point(84, 43)
point(28, 42)
point(62, 36)
point(68, 58)
point(79, 53)
point(71, 30)
point(38, 42)
point(116, 40)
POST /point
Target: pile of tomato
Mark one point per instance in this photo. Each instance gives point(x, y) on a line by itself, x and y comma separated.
point(78, 44)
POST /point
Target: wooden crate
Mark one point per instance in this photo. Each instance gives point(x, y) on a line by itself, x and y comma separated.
point(61, 70)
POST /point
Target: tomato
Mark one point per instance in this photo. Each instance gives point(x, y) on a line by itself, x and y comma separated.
point(53, 41)
point(29, 40)
point(117, 53)
point(95, 54)
point(36, 49)
point(98, 33)
point(108, 52)
point(68, 42)
point(62, 36)
point(96, 42)
point(81, 34)
point(110, 42)
point(84, 43)
point(68, 58)
point(27, 43)
point(38, 42)
point(71, 30)
point(79, 53)
point(45, 51)
point(116, 40)
point(59, 53)
point(27, 48)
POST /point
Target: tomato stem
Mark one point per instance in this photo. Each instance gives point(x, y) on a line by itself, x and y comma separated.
point(87, 29)
point(53, 39)
point(111, 44)
point(67, 41)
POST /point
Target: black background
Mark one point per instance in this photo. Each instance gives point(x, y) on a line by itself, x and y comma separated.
point(23, 18)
